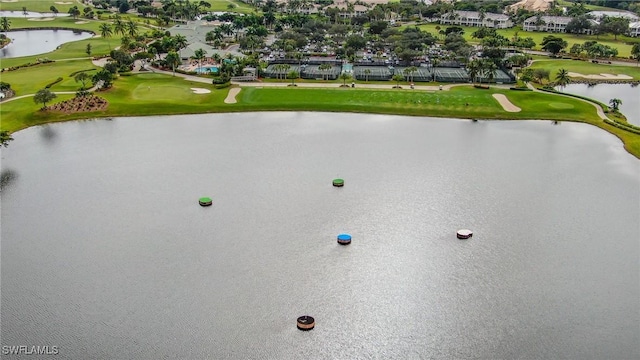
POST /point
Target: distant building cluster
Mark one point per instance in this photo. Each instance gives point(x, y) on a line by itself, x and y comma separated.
point(545, 23)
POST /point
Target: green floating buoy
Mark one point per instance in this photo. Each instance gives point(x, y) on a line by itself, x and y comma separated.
point(205, 201)
point(338, 182)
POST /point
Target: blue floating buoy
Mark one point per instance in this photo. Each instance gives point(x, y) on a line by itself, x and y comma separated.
point(344, 239)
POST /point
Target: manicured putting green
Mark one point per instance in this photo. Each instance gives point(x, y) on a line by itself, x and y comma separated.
point(154, 91)
point(560, 105)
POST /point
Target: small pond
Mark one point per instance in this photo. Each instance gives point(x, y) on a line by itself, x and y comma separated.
point(34, 42)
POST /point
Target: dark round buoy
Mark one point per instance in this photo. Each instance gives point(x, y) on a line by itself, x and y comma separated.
point(464, 234)
point(205, 201)
point(306, 323)
point(338, 182)
point(344, 239)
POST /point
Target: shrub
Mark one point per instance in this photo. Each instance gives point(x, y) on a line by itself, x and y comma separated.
point(79, 71)
point(53, 83)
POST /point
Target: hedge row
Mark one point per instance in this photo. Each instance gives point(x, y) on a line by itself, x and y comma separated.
point(79, 71)
point(38, 62)
point(627, 127)
point(53, 83)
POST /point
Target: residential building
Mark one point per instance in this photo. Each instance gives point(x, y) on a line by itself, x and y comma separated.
point(634, 29)
point(475, 18)
point(546, 23)
point(598, 15)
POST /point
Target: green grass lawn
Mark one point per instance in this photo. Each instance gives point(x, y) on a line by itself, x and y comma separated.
point(452, 103)
point(221, 5)
point(142, 94)
point(41, 5)
point(30, 80)
point(586, 67)
point(622, 44)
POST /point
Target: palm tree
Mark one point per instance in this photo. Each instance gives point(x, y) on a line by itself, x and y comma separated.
point(562, 79)
point(397, 78)
point(490, 69)
point(292, 75)
point(106, 32)
point(226, 29)
point(132, 28)
point(180, 42)
point(5, 24)
point(299, 56)
point(410, 71)
point(367, 72)
point(125, 41)
point(325, 70)
point(345, 77)
point(615, 104)
point(172, 59)
point(118, 26)
point(199, 55)
point(474, 68)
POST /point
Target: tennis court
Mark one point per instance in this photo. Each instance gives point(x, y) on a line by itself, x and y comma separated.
point(451, 75)
point(371, 73)
point(500, 76)
point(314, 72)
point(280, 71)
point(421, 74)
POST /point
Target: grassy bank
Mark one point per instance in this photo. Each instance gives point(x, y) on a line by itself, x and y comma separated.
point(586, 67)
point(30, 80)
point(155, 94)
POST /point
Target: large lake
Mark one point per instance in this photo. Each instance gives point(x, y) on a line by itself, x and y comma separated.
point(107, 254)
point(34, 42)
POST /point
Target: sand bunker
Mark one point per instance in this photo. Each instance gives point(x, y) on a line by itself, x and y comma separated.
point(81, 22)
point(63, 2)
point(40, 19)
point(200, 91)
point(9, 1)
point(231, 97)
point(505, 103)
point(602, 76)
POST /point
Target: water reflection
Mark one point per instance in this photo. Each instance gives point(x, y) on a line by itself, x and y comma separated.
point(7, 176)
point(48, 134)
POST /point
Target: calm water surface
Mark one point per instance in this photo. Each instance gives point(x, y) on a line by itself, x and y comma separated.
point(106, 253)
point(34, 42)
point(630, 96)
